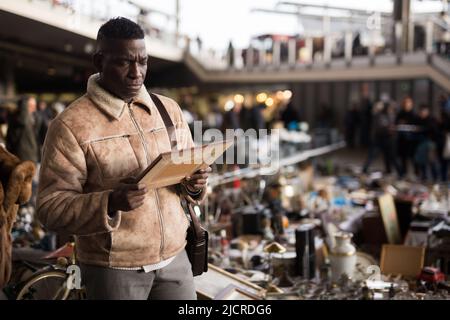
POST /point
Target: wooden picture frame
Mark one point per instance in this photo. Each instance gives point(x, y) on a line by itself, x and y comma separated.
point(389, 215)
point(211, 283)
point(232, 292)
point(404, 260)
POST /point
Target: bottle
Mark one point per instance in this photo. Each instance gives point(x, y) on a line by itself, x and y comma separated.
point(342, 256)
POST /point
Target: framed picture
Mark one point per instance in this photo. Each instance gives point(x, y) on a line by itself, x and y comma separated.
point(404, 260)
point(389, 216)
point(212, 283)
point(232, 292)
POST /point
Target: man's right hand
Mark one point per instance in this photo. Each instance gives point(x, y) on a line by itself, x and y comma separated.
point(126, 197)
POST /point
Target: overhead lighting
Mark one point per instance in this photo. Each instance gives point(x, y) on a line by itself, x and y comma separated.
point(289, 191)
point(261, 97)
point(280, 95)
point(229, 105)
point(239, 98)
point(287, 94)
point(269, 102)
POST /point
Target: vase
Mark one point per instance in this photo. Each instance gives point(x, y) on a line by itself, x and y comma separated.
point(342, 256)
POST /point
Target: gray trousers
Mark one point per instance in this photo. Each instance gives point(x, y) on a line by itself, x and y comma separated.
point(173, 282)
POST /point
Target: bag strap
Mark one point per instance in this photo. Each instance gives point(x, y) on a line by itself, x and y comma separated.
point(170, 127)
point(173, 142)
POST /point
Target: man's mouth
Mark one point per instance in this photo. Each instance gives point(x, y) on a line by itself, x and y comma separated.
point(134, 85)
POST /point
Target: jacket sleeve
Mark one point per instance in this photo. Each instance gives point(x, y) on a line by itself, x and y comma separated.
point(62, 206)
point(184, 138)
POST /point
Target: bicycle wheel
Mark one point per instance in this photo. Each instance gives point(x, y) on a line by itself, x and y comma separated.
point(45, 285)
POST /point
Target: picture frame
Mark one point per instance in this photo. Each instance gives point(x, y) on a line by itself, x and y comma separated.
point(232, 292)
point(389, 215)
point(402, 260)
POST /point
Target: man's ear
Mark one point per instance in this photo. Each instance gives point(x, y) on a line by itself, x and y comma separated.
point(97, 59)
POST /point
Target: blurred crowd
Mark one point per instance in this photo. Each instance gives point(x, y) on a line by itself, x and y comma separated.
point(413, 141)
point(23, 126)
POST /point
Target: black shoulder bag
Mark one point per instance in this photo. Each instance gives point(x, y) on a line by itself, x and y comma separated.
point(197, 236)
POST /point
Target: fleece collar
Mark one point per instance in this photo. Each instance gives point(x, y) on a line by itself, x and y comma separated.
point(113, 105)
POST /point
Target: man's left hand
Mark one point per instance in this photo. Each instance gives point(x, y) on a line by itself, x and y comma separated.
point(198, 180)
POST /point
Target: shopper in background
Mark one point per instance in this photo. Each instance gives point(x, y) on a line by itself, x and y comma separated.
point(383, 137)
point(425, 155)
point(406, 141)
point(21, 138)
point(443, 143)
point(351, 122)
point(365, 108)
point(290, 117)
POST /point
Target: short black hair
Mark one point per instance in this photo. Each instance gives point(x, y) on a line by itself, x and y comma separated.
point(120, 28)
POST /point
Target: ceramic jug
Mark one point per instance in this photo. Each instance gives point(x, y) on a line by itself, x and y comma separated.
point(342, 256)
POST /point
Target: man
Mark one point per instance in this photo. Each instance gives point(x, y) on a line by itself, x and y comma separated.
point(21, 137)
point(130, 240)
point(406, 139)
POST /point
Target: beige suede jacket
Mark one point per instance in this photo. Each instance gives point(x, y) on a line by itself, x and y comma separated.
point(96, 142)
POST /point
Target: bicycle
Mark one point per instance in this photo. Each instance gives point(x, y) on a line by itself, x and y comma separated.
point(60, 281)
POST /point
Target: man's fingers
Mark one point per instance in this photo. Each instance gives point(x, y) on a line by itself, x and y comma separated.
point(136, 205)
point(200, 181)
point(136, 187)
point(136, 193)
point(206, 170)
point(198, 176)
point(129, 180)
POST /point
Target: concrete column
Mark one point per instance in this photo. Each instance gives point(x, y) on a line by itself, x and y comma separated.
point(327, 50)
point(372, 54)
point(291, 52)
point(262, 56)
point(276, 58)
point(429, 37)
point(401, 14)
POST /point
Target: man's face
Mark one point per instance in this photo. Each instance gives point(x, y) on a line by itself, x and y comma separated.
point(122, 65)
point(31, 104)
point(408, 105)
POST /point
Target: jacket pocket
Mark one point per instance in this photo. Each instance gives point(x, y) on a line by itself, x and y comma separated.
point(115, 157)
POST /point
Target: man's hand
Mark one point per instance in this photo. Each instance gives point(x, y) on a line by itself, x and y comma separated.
point(128, 196)
point(198, 180)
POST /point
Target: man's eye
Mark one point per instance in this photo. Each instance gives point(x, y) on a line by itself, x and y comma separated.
point(143, 62)
point(123, 62)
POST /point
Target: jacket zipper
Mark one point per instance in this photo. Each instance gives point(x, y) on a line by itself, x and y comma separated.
point(144, 144)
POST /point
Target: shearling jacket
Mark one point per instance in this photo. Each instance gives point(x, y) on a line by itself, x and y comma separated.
point(96, 142)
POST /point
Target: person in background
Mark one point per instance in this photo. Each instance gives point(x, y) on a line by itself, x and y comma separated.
point(426, 156)
point(290, 117)
point(230, 55)
point(406, 142)
point(352, 118)
point(365, 108)
point(443, 143)
point(383, 137)
point(44, 115)
point(21, 138)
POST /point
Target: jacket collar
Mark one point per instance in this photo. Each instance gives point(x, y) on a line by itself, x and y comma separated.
point(113, 105)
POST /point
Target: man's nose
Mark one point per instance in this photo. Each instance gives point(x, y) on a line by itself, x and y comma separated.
point(134, 72)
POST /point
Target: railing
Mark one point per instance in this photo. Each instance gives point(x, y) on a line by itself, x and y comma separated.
point(258, 57)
